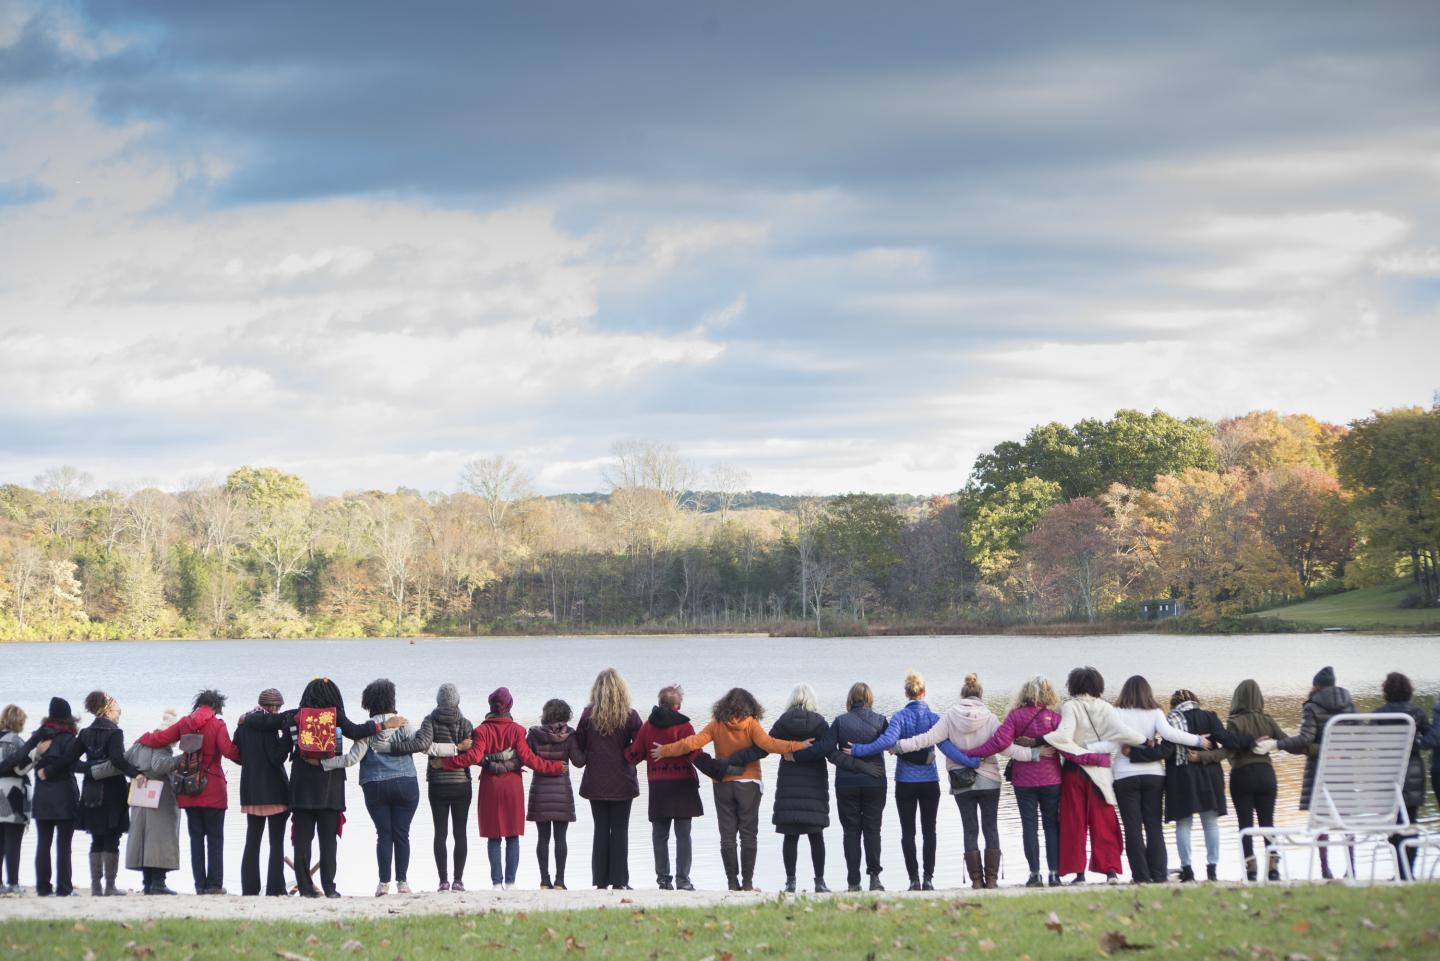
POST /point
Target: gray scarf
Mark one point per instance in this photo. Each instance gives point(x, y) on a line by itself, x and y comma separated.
point(1178, 721)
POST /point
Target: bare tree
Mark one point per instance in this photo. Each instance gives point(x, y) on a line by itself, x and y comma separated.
point(808, 514)
point(395, 536)
point(26, 572)
point(654, 465)
point(64, 489)
point(728, 482)
point(499, 483)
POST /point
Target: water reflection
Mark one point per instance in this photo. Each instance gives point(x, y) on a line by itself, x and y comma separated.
point(148, 677)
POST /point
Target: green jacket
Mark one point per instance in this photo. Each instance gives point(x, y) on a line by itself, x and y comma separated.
point(1248, 718)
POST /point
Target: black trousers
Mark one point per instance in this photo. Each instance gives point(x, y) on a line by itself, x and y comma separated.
point(543, 832)
point(1252, 789)
point(106, 843)
point(860, 810)
point(60, 833)
point(450, 809)
point(924, 797)
point(978, 815)
point(256, 828)
point(660, 841)
point(207, 847)
point(1140, 799)
point(10, 837)
point(790, 851)
point(610, 854)
point(322, 827)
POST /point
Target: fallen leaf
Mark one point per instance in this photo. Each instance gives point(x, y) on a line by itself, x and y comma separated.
point(384, 942)
point(548, 935)
point(312, 940)
point(1390, 945)
point(572, 945)
point(1367, 923)
point(725, 956)
point(985, 944)
point(80, 926)
point(521, 916)
point(141, 951)
point(688, 935)
point(89, 955)
point(1052, 923)
point(351, 946)
point(291, 956)
point(1112, 941)
point(1297, 956)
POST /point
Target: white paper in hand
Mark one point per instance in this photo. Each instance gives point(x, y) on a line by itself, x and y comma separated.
point(147, 796)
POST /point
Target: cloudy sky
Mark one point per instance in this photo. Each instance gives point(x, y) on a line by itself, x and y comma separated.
point(844, 246)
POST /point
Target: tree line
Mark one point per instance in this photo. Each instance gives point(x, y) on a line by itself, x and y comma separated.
point(1071, 523)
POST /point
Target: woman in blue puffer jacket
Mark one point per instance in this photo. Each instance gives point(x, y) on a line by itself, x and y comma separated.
point(917, 782)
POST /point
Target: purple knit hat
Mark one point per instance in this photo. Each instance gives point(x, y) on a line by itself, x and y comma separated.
point(501, 701)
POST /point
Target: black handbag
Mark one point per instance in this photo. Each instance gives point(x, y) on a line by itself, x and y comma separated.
point(962, 779)
point(92, 793)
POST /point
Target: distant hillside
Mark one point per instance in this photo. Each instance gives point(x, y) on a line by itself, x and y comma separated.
point(708, 502)
point(1370, 607)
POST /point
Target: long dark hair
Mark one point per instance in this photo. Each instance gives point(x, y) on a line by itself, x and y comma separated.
point(736, 705)
point(1136, 694)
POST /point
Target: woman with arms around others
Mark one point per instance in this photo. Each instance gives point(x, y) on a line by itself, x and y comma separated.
point(607, 727)
point(974, 783)
point(860, 785)
point(56, 799)
point(674, 788)
point(1037, 782)
point(388, 781)
point(502, 794)
point(1195, 780)
point(14, 795)
point(445, 732)
point(1252, 776)
point(917, 783)
point(204, 809)
point(1398, 691)
point(264, 797)
point(802, 788)
point(153, 846)
point(104, 811)
point(552, 799)
point(1089, 731)
point(1140, 779)
point(734, 726)
point(1326, 700)
point(317, 795)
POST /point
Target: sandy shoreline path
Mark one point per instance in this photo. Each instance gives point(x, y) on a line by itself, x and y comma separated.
point(137, 907)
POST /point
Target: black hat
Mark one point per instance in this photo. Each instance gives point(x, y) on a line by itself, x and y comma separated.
point(1326, 677)
point(60, 709)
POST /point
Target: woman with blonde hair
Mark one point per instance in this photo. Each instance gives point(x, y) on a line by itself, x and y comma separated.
point(607, 727)
point(14, 796)
point(1034, 714)
point(917, 783)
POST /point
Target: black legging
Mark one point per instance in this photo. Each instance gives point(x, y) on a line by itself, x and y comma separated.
point(1252, 788)
point(107, 843)
point(448, 813)
point(543, 831)
point(926, 796)
point(790, 849)
point(978, 811)
point(307, 825)
point(10, 837)
point(256, 827)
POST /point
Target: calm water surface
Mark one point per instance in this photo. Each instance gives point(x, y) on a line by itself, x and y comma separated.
point(150, 676)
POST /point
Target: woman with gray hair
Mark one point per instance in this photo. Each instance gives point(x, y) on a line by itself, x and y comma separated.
point(802, 788)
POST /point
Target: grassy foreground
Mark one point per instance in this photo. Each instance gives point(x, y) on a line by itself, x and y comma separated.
point(1366, 608)
point(1312, 922)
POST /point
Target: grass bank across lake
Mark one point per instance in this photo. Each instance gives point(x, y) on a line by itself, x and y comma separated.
point(1192, 922)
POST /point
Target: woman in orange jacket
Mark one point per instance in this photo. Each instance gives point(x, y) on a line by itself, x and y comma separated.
point(735, 726)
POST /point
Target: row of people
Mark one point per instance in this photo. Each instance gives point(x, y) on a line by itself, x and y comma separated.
point(1072, 766)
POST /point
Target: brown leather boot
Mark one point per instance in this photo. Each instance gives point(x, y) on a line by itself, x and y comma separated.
point(972, 867)
point(992, 867)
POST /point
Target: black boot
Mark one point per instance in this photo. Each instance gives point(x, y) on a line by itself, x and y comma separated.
point(1212, 872)
point(927, 883)
point(1274, 874)
point(747, 866)
point(790, 884)
point(875, 884)
point(1187, 873)
point(732, 867)
point(820, 887)
point(1034, 881)
point(1054, 880)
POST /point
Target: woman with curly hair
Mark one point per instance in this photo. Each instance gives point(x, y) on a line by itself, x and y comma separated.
point(607, 727)
point(734, 726)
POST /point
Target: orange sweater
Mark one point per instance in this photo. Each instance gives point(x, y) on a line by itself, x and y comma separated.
point(729, 737)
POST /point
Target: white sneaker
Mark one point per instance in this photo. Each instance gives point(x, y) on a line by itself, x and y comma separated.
point(498, 886)
point(402, 887)
point(383, 889)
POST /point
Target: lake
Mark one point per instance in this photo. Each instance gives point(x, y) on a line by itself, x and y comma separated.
point(147, 677)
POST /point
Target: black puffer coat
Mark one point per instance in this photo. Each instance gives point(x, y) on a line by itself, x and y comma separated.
point(859, 725)
point(1414, 788)
point(1323, 704)
point(444, 725)
point(263, 779)
point(109, 809)
point(56, 797)
point(551, 796)
point(802, 788)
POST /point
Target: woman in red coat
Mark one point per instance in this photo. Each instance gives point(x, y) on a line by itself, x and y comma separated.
point(204, 812)
point(502, 793)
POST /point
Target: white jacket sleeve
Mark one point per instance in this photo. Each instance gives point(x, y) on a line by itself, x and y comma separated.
point(350, 758)
point(1174, 735)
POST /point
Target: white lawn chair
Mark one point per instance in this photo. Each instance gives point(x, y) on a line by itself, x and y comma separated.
point(1356, 801)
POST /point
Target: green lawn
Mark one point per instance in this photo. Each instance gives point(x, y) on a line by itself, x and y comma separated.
point(1194, 922)
point(1370, 607)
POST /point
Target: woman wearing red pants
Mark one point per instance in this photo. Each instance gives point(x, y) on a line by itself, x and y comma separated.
point(1089, 732)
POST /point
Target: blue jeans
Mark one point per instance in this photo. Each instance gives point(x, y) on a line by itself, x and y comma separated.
point(1210, 822)
point(392, 803)
point(512, 859)
point(1040, 805)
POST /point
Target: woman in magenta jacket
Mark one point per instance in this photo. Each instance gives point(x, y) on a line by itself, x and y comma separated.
point(204, 812)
